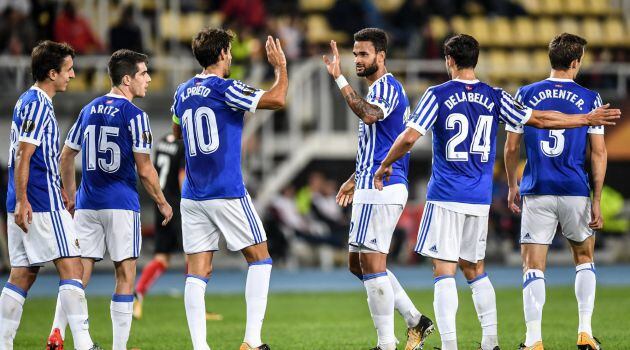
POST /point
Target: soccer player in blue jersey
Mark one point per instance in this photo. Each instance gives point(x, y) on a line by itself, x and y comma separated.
point(382, 117)
point(114, 137)
point(40, 229)
point(555, 188)
point(464, 114)
point(208, 112)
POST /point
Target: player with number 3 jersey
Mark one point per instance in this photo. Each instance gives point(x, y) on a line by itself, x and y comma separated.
point(208, 112)
point(464, 114)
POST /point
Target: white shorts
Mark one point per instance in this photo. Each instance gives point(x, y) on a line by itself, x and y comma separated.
point(50, 236)
point(448, 235)
point(372, 226)
point(541, 215)
point(234, 218)
point(118, 230)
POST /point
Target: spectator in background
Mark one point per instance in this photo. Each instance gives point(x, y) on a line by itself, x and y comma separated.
point(248, 13)
point(43, 15)
point(73, 29)
point(17, 33)
point(290, 30)
point(126, 34)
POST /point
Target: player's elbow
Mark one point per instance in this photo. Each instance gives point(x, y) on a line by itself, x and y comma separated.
point(538, 122)
point(277, 102)
point(511, 149)
point(145, 172)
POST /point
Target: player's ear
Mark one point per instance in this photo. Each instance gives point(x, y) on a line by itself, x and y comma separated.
point(126, 80)
point(381, 56)
point(52, 74)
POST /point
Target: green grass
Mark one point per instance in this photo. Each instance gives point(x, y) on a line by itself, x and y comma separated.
point(337, 321)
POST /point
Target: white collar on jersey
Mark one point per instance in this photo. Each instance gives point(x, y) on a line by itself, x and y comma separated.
point(467, 81)
point(204, 76)
point(111, 94)
point(560, 80)
point(379, 79)
point(43, 92)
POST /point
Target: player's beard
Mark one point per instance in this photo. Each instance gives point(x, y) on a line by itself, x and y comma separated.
point(369, 70)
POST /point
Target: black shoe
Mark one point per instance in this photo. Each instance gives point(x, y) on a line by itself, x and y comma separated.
point(377, 348)
point(264, 347)
point(96, 347)
point(417, 334)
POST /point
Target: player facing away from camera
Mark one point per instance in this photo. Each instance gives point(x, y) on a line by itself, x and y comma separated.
point(208, 112)
point(464, 114)
point(40, 229)
point(382, 117)
point(555, 188)
point(114, 137)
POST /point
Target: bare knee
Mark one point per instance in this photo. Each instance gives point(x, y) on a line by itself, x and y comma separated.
point(470, 270)
point(583, 251)
point(258, 252)
point(23, 277)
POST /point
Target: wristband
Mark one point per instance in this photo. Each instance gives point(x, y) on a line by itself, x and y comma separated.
point(341, 82)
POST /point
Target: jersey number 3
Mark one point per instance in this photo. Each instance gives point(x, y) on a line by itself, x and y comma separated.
point(558, 143)
point(480, 142)
point(201, 131)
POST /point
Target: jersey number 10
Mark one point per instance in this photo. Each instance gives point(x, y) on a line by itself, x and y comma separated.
point(195, 124)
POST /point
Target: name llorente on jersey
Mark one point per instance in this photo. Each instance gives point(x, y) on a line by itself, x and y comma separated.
point(474, 97)
point(103, 109)
point(559, 94)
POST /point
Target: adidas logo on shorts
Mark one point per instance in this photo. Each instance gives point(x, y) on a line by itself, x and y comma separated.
point(527, 236)
point(373, 241)
point(433, 249)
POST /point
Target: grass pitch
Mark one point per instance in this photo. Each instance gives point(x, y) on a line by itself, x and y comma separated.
point(337, 321)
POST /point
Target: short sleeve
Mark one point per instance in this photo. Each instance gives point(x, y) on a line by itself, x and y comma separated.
point(385, 96)
point(35, 118)
point(425, 113)
point(511, 111)
point(73, 140)
point(141, 136)
point(242, 96)
point(518, 129)
point(596, 129)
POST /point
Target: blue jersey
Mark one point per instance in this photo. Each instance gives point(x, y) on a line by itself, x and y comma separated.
point(376, 139)
point(210, 111)
point(108, 131)
point(34, 122)
point(555, 158)
point(464, 116)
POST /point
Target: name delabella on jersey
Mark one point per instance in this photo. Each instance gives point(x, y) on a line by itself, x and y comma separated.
point(108, 131)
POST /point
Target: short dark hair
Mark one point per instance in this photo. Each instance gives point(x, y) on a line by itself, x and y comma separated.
point(565, 48)
point(376, 36)
point(124, 62)
point(464, 49)
point(208, 44)
point(48, 55)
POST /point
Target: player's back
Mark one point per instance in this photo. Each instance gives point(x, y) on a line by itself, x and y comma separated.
point(464, 115)
point(555, 158)
point(34, 122)
point(108, 132)
point(210, 111)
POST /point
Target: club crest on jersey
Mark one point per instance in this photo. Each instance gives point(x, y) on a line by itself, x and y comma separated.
point(28, 126)
point(147, 137)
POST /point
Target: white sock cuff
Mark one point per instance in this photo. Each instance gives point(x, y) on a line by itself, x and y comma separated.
point(479, 280)
point(585, 267)
point(444, 280)
point(74, 285)
point(532, 275)
point(122, 307)
point(14, 292)
point(197, 280)
point(375, 280)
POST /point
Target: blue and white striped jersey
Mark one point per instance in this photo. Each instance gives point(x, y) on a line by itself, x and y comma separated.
point(107, 132)
point(376, 139)
point(464, 116)
point(555, 158)
point(34, 122)
point(210, 111)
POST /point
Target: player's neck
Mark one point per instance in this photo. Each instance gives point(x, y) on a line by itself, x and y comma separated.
point(463, 74)
point(562, 74)
point(48, 88)
point(122, 92)
point(214, 70)
point(377, 75)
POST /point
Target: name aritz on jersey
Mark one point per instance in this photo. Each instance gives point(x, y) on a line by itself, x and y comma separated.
point(475, 97)
point(195, 91)
point(102, 109)
point(557, 93)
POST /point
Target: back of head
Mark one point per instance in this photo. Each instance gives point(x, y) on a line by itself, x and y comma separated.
point(376, 36)
point(124, 62)
point(208, 44)
point(564, 49)
point(463, 49)
point(48, 55)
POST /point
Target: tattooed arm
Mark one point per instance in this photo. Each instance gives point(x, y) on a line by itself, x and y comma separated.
point(367, 112)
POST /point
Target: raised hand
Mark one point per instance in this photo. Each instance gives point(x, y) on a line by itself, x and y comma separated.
point(275, 55)
point(514, 198)
point(346, 193)
point(603, 115)
point(333, 66)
